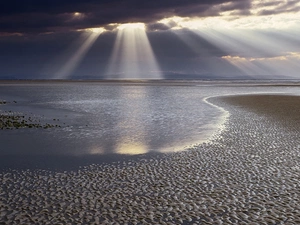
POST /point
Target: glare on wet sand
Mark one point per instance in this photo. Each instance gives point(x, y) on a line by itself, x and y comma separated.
point(248, 174)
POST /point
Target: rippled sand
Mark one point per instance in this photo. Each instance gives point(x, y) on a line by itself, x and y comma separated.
point(248, 174)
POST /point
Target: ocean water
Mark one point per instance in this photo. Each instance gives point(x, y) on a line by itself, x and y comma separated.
point(101, 120)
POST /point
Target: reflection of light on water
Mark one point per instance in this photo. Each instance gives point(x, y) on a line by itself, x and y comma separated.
point(173, 149)
point(146, 120)
point(203, 138)
point(96, 151)
point(223, 118)
point(134, 114)
point(131, 148)
point(132, 132)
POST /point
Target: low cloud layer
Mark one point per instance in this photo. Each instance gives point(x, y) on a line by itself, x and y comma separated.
point(48, 16)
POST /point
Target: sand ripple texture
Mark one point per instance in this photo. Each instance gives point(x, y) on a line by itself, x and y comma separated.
point(249, 174)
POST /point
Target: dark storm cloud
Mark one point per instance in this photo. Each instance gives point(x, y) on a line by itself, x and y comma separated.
point(44, 16)
point(280, 7)
point(59, 6)
point(239, 8)
point(157, 27)
point(162, 26)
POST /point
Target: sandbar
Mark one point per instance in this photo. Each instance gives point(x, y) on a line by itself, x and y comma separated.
point(248, 173)
point(283, 109)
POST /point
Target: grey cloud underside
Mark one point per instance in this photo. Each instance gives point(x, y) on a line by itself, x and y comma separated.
point(157, 26)
point(288, 6)
point(35, 16)
point(58, 6)
point(278, 11)
point(43, 16)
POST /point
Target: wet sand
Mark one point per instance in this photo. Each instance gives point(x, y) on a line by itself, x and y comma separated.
point(248, 174)
point(284, 109)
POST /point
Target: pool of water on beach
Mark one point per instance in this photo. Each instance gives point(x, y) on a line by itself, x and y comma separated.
point(100, 119)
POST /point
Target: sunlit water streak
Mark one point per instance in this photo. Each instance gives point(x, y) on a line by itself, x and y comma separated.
point(116, 118)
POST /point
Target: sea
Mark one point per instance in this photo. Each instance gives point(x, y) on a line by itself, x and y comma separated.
point(108, 121)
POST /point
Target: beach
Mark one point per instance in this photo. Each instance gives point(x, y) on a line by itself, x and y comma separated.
point(284, 109)
point(248, 173)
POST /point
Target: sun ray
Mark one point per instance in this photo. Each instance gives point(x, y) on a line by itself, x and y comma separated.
point(70, 65)
point(267, 67)
point(252, 52)
point(132, 56)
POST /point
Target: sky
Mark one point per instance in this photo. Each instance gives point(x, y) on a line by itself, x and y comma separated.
point(167, 39)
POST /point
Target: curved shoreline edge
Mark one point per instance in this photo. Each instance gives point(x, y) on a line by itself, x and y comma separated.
point(282, 109)
point(247, 175)
point(221, 125)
